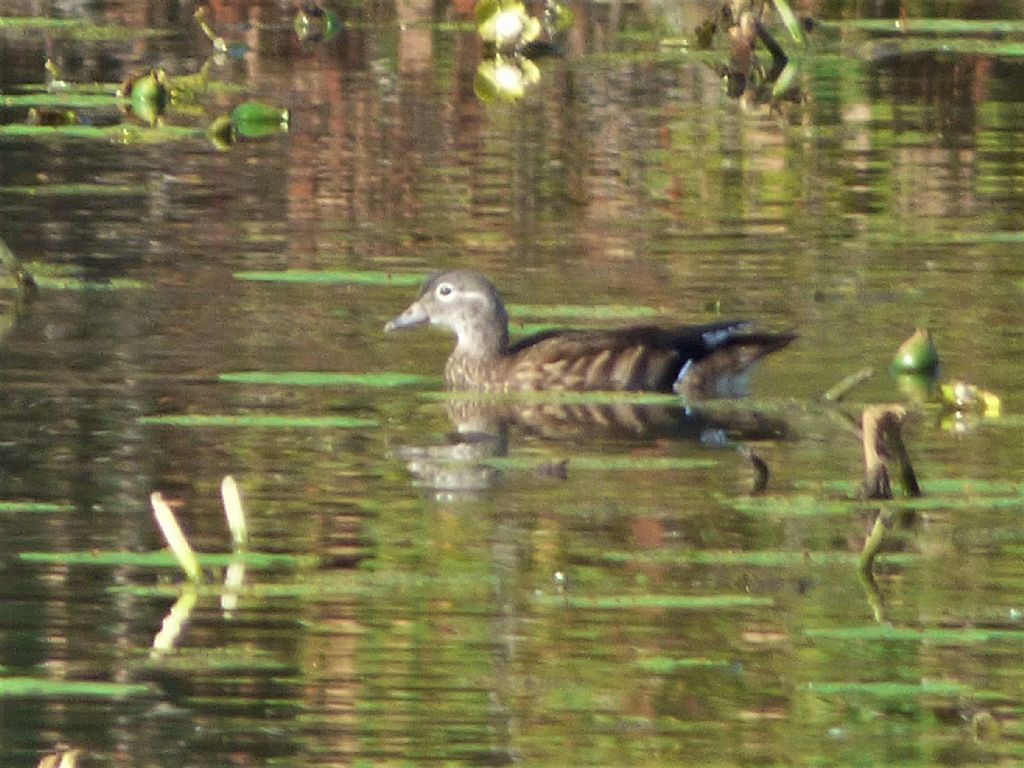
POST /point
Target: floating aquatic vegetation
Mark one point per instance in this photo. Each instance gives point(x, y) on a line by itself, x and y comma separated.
point(253, 119)
point(47, 688)
point(332, 277)
point(189, 89)
point(505, 23)
point(917, 354)
point(77, 28)
point(728, 558)
point(890, 690)
point(942, 27)
point(663, 665)
point(607, 463)
point(221, 133)
point(75, 190)
point(119, 134)
point(66, 278)
point(967, 398)
point(313, 24)
point(147, 95)
point(65, 98)
point(51, 117)
point(250, 120)
point(232, 50)
point(666, 602)
point(34, 507)
point(504, 79)
point(917, 387)
point(257, 561)
point(744, 76)
point(939, 636)
point(514, 35)
point(258, 421)
point(327, 379)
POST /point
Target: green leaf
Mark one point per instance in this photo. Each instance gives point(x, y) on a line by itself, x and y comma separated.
point(793, 25)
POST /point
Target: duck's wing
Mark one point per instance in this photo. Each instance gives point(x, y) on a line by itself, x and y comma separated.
point(648, 358)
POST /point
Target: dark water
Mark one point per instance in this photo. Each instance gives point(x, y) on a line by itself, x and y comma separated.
point(642, 609)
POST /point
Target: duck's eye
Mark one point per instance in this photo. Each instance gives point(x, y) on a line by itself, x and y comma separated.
point(444, 290)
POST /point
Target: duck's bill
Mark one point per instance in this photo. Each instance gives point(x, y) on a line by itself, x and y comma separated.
point(413, 316)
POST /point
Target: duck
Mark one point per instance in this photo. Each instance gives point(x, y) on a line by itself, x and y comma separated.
point(689, 360)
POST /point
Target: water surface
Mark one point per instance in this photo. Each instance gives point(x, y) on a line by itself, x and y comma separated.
point(560, 594)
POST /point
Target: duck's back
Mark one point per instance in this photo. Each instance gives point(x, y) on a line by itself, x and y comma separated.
point(688, 358)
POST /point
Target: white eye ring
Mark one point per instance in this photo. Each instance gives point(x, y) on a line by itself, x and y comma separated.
point(445, 290)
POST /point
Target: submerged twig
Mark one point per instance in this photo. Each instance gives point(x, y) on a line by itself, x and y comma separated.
point(865, 564)
point(847, 383)
point(11, 264)
point(760, 468)
point(884, 448)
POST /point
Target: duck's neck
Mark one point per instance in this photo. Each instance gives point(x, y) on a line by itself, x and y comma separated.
point(476, 360)
point(483, 342)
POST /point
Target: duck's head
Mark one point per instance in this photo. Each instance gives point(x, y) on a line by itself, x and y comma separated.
point(465, 303)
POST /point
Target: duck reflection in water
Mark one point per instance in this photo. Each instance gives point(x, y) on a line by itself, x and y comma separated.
point(695, 362)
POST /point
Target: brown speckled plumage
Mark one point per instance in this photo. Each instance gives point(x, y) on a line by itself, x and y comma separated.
point(692, 360)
